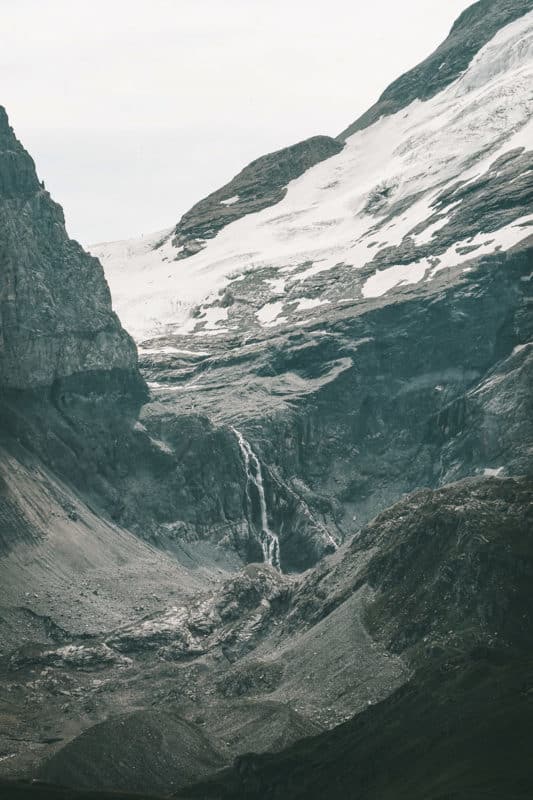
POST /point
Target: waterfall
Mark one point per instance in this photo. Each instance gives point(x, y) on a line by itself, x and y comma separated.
point(254, 477)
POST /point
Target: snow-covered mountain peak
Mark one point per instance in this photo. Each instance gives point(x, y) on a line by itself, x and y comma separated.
point(406, 198)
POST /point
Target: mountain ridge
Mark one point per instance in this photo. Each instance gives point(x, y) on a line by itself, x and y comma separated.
point(472, 29)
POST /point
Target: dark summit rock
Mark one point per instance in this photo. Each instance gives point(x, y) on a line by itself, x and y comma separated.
point(56, 320)
point(259, 185)
point(472, 30)
point(17, 173)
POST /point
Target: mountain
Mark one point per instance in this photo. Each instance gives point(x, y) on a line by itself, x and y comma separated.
point(353, 330)
point(385, 211)
point(278, 544)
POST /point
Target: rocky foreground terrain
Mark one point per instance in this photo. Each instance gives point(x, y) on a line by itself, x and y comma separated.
point(279, 543)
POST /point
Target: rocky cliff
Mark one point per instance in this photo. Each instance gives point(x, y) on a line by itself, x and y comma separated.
point(57, 326)
point(71, 390)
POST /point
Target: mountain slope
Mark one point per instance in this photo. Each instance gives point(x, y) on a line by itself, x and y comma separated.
point(471, 31)
point(353, 330)
point(450, 574)
point(457, 731)
point(385, 212)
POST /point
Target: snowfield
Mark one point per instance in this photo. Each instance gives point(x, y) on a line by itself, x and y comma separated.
point(334, 214)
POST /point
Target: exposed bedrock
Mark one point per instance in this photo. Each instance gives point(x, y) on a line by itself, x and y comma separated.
point(56, 319)
point(435, 389)
point(418, 392)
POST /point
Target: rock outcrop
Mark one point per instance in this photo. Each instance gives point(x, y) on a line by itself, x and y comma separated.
point(57, 326)
point(261, 184)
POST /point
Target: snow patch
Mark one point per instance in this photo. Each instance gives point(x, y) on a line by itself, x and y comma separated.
point(490, 472)
point(305, 303)
point(277, 285)
point(384, 280)
point(168, 350)
point(269, 312)
point(520, 347)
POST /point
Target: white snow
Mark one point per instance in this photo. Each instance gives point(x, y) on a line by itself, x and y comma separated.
point(384, 280)
point(420, 151)
point(277, 285)
point(305, 303)
point(269, 312)
point(489, 472)
point(168, 387)
point(230, 201)
point(214, 315)
point(520, 347)
point(168, 350)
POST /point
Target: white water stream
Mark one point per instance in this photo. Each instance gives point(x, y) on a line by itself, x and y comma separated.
point(268, 539)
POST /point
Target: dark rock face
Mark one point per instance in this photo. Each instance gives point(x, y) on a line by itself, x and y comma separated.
point(56, 319)
point(474, 28)
point(261, 184)
point(69, 381)
point(382, 423)
point(375, 400)
point(70, 388)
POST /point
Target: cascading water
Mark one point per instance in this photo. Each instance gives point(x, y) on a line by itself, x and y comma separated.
point(268, 539)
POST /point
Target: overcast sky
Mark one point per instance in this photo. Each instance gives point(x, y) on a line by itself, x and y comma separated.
point(135, 109)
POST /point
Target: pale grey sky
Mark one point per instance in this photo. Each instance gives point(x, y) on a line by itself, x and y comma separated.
point(135, 109)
